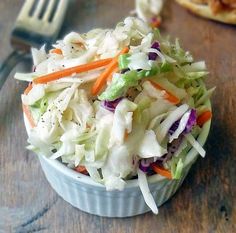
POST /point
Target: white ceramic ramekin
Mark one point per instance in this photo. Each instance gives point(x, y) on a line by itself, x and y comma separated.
point(82, 192)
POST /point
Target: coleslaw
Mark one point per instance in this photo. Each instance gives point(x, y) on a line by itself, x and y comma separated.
point(117, 104)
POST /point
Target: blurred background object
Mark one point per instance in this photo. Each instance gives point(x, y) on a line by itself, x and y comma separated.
point(149, 11)
point(38, 23)
point(146, 9)
point(219, 10)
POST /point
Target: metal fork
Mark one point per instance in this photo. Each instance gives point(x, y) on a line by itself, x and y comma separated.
point(38, 23)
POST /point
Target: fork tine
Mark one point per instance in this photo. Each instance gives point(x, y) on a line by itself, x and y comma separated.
point(59, 15)
point(26, 9)
point(31, 31)
point(39, 8)
point(49, 10)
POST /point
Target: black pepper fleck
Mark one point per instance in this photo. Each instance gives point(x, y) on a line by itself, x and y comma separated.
point(54, 150)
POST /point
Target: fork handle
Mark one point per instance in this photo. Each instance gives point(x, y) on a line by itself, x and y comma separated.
point(8, 64)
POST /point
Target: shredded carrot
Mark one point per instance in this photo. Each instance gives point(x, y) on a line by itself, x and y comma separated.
point(162, 171)
point(156, 23)
point(173, 99)
point(28, 115)
point(88, 126)
point(81, 169)
point(28, 89)
point(57, 51)
point(80, 44)
point(100, 82)
point(69, 71)
point(115, 71)
point(26, 109)
point(126, 134)
point(204, 117)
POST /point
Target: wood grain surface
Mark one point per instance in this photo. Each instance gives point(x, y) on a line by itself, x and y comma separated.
point(205, 203)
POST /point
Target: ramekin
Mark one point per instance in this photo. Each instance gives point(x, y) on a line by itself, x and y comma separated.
point(85, 194)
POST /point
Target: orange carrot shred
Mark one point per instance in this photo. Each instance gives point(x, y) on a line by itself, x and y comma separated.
point(81, 169)
point(126, 134)
point(156, 23)
point(57, 51)
point(26, 109)
point(28, 115)
point(204, 117)
point(114, 71)
point(100, 82)
point(162, 171)
point(28, 89)
point(69, 71)
point(170, 97)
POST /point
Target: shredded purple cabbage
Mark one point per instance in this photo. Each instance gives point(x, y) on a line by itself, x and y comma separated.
point(174, 127)
point(192, 121)
point(153, 19)
point(144, 164)
point(171, 149)
point(111, 105)
point(173, 146)
point(153, 56)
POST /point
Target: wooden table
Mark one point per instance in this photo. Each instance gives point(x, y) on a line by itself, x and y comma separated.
point(206, 201)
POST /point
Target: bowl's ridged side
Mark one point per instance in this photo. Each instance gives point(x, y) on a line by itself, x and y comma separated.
point(98, 201)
